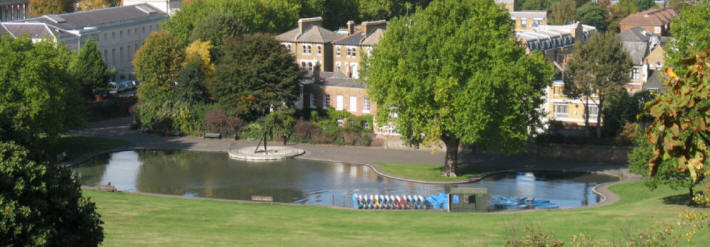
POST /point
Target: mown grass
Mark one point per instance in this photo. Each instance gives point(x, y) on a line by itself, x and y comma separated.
point(430, 172)
point(142, 220)
point(76, 146)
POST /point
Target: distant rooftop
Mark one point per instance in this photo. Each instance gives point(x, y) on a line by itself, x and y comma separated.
point(81, 19)
point(655, 17)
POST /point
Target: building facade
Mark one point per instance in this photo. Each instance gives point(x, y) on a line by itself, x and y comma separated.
point(118, 31)
point(14, 9)
point(529, 19)
point(311, 44)
point(349, 50)
point(169, 7)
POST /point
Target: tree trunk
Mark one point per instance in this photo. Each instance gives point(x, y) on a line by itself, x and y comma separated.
point(599, 116)
point(586, 117)
point(452, 150)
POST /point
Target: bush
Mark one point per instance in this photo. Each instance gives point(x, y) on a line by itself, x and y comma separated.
point(533, 237)
point(253, 131)
point(42, 204)
point(110, 108)
point(217, 121)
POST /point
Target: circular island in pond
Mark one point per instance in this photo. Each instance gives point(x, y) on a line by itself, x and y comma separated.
point(254, 153)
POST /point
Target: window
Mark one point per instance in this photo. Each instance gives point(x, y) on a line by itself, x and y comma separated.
point(303, 49)
point(143, 29)
point(303, 65)
point(113, 56)
point(348, 54)
point(310, 66)
point(523, 22)
point(635, 74)
point(128, 32)
point(319, 49)
point(353, 104)
point(657, 30)
point(337, 51)
point(326, 100)
point(135, 30)
point(536, 23)
point(366, 104)
point(365, 125)
point(354, 52)
point(337, 66)
point(354, 71)
point(312, 100)
point(339, 102)
point(340, 122)
point(560, 110)
point(593, 110)
point(309, 49)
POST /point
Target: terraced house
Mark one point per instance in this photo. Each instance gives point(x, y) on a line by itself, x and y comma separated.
point(350, 49)
point(311, 44)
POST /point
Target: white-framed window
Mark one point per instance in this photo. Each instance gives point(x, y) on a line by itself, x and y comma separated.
point(657, 30)
point(353, 104)
point(319, 49)
point(365, 125)
point(635, 73)
point(339, 102)
point(355, 72)
point(310, 66)
point(337, 51)
point(312, 100)
point(366, 104)
point(303, 50)
point(536, 22)
point(593, 110)
point(340, 122)
point(561, 110)
point(309, 49)
point(523, 22)
point(326, 100)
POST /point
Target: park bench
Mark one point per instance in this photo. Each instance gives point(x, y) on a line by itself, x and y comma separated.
point(213, 135)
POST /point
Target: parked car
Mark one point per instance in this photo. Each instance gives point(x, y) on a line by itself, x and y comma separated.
point(113, 87)
point(125, 86)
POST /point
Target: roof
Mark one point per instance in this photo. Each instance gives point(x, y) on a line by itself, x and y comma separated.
point(364, 36)
point(546, 37)
point(338, 79)
point(33, 30)
point(315, 34)
point(353, 39)
point(635, 42)
point(655, 17)
point(541, 14)
point(78, 20)
point(374, 38)
point(655, 81)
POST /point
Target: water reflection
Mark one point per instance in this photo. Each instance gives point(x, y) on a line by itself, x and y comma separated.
point(301, 181)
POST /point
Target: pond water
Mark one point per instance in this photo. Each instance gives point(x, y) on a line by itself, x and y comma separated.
point(214, 175)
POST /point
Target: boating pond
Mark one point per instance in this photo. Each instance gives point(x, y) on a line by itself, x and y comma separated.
point(214, 175)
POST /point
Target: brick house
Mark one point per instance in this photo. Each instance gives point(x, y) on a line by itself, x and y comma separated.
point(656, 21)
point(528, 19)
point(349, 50)
point(311, 44)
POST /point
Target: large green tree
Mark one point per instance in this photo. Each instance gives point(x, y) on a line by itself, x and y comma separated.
point(89, 69)
point(156, 65)
point(217, 29)
point(562, 12)
point(37, 93)
point(592, 14)
point(42, 204)
point(690, 34)
point(597, 70)
point(254, 74)
point(45, 7)
point(454, 72)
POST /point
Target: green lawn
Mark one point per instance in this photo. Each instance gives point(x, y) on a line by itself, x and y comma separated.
point(76, 146)
point(140, 220)
point(429, 172)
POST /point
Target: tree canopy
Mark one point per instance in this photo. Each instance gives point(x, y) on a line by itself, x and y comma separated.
point(690, 34)
point(45, 7)
point(592, 14)
point(563, 12)
point(37, 93)
point(156, 65)
point(254, 74)
point(476, 85)
point(598, 69)
point(89, 69)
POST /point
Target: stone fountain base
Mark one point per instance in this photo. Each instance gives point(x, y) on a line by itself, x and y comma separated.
point(274, 153)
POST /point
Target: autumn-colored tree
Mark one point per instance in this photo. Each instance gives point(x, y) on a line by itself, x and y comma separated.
point(45, 7)
point(680, 129)
point(199, 52)
point(83, 5)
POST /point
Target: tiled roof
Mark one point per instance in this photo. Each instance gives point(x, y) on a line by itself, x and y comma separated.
point(316, 34)
point(353, 39)
point(364, 36)
point(78, 20)
point(529, 14)
point(636, 34)
point(546, 37)
point(374, 38)
point(635, 43)
point(33, 30)
point(338, 79)
point(655, 17)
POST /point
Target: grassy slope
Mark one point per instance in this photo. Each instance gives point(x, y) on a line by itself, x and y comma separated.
point(138, 220)
point(428, 172)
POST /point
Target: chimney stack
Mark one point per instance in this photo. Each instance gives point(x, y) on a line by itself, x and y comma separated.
point(306, 23)
point(371, 26)
point(351, 27)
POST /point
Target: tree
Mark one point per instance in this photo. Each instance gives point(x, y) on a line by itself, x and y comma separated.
point(83, 5)
point(254, 74)
point(681, 115)
point(642, 5)
point(690, 35)
point(623, 108)
point(535, 5)
point(562, 12)
point(156, 65)
point(191, 85)
point(38, 96)
point(217, 29)
point(45, 7)
point(42, 204)
point(280, 123)
point(476, 85)
point(89, 69)
point(199, 52)
point(592, 14)
point(598, 67)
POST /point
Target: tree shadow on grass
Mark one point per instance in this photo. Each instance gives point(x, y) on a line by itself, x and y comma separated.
point(681, 199)
point(471, 170)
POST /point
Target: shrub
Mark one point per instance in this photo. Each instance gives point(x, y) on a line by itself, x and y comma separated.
point(253, 131)
point(533, 237)
point(628, 134)
point(217, 121)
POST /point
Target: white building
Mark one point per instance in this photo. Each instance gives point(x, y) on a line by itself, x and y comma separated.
point(119, 31)
point(169, 7)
